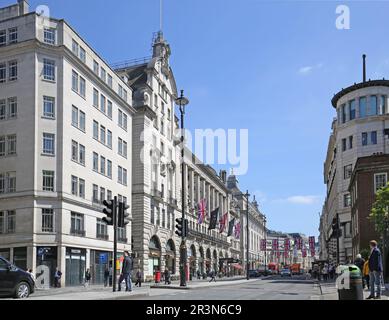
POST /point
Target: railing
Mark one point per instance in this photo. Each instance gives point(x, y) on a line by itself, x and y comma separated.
point(102, 236)
point(78, 233)
point(122, 240)
point(207, 237)
point(130, 63)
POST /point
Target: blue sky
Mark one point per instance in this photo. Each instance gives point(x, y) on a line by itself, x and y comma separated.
point(269, 66)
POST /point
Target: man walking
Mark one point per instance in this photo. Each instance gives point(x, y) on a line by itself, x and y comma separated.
point(138, 278)
point(126, 271)
point(57, 278)
point(375, 268)
point(167, 276)
point(212, 275)
point(106, 277)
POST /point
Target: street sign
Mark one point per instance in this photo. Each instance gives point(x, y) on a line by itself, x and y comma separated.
point(103, 258)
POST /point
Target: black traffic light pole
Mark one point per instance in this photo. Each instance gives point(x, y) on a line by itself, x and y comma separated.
point(337, 239)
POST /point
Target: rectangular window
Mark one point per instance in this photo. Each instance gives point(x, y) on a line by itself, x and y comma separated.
point(3, 109)
point(3, 37)
point(382, 105)
point(102, 103)
point(11, 139)
point(101, 229)
point(346, 200)
point(49, 69)
point(362, 107)
point(152, 215)
point(82, 121)
point(95, 193)
point(11, 222)
point(82, 55)
point(12, 107)
point(81, 157)
point(380, 181)
point(344, 144)
point(12, 70)
point(47, 220)
point(109, 168)
point(75, 116)
point(163, 218)
point(77, 224)
point(3, 72)
point(352, 109)
point(109, 138)
point(364, 138)
point(81, 188)
point(373, 137)
point(109, 194)
point(103, 74)
point(348, 170)
point(74, 186)
point(49, 35)
point(48, 180)
point(110, 81)
point(350, 142)
point(120, 174)
point(2, 183)
point(48, 107)
point(75, 47)
point(102, 165)
point(124, 179)
point(343, 108)
point(95, 130)
point(102, 194)
point(11, 182)
point(74, 81)
point(95, 161)
point(74, 151)
point(122, 120)
point(48, 143)
point(120, 146)
point(109, 109)
point(12, 35)
point(2, 146)
point(96, 67)
point(102, 134)
point(373, 110)
point(95, 98)
point(82, 87)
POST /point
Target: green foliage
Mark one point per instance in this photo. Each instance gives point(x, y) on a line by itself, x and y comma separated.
point(365, 253)
point(379, 212)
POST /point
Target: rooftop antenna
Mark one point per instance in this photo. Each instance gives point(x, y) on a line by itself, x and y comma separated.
point(364, 67)
point(160, 15)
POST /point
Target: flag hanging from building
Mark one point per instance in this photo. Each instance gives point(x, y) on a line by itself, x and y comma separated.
point(286, 244)
point(213, 221)
point(231, 227)
point(275, 244)
point(286, 254)
point(201, 211)
point(313, 252)
point(263, 245)
point(299, 243)
point(237, 231)
point(312, 243)
point(304, 252)
point(223, 222)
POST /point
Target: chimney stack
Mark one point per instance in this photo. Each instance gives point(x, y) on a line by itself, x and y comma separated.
point(24, 7)
point(364, 68)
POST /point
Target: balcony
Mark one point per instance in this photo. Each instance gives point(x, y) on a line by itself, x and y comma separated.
point(102, 236)
point(77, 232)
point(207, 237)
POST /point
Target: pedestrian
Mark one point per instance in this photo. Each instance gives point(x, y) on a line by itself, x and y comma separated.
point(87, 278)
point(359, 262)
point(198, 275)
point(167, 276)
point(325, 272)
point(212, 275)
point(375, 268)
point(126, 271)
point(57, 278)
point(138, 278)
point(106, 277)
point(365, 275)
point(110, 275)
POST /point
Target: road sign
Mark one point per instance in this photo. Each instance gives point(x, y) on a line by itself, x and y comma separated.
point(103, 258)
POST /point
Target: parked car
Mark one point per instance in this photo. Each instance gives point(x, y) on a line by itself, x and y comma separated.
point(253, 274)
point(14, 281)
point(285, 272)
point(263, 272)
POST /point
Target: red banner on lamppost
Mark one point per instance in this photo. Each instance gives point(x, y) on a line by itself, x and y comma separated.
point(286, 244)
point(275, 244)
point(263, 245)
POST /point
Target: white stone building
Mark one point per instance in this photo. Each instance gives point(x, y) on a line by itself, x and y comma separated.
point(65, 141)
point(361, 129)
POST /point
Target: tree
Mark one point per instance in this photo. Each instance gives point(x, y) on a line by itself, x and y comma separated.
point(379, 212)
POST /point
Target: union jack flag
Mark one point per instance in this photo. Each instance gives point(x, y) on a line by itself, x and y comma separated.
point(237, 230)
point(201, 211)
point(223, 222)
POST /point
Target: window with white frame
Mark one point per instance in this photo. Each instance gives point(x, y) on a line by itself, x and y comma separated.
point(13, 35)
point(95, 130)
point(48, 107)
point(380, 181)
point(347, 170)
point(7, 182)
point(74, 151)
point(49, 69)
point(346, 200)
point(81, 188)
point(109, 168)
point(74, 185)
point(12, 70)
point(95, 98)
point(47, 220)
point(96, 67)
point(48, 143)
point(77, 224)
point(95, 161)
point(75, 48)
point(101, 229)
point(82, 91)
point(78, 118)
point(102, 194)
point(3, 37)
point(103, 74)
point(102, 165)
point(102, 134)
point(109, 138)
point(109, 109)
point(110, 81)
point(3, 149)
point(7, 221)
point(11, 144)
point(95, 193)
point(48, 180)
point(82, 54)
point(3, 72)
point(49, 35)
point(122, 147)
point(81, 158)
point(122, 120)
point(103, 101)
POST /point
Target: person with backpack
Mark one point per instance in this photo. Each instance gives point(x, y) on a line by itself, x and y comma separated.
point(57, 278)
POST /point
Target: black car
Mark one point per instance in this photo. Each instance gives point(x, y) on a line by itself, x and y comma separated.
point(253, 274)
point(14, 281)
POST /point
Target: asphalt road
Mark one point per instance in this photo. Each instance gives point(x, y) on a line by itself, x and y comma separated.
point(272, 289)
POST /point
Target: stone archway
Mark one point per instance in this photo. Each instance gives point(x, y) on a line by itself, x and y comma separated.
point(154, 255)
point(208, 261)
point(201, 260)
point(170, 259)
point(192, 261)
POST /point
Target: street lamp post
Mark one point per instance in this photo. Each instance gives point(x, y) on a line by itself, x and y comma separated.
point(182, 102)
point(247, 195)
point(264, 223)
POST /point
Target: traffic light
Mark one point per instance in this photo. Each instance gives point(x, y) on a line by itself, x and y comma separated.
point(179, 227)
point(337, 231)
point(186, 227)
point(109, 212)
point(123, 219)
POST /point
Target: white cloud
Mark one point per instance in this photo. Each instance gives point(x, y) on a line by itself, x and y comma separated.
point(309, 69)
point(303, 199)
